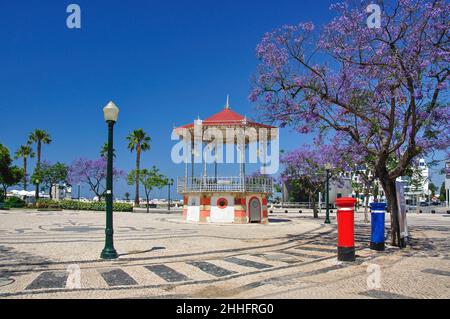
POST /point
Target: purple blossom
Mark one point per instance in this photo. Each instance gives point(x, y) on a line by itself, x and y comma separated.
point(93, 173)
point(358, 84)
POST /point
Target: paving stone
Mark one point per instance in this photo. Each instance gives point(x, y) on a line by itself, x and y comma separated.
point(286, 258)
point(309, 256)
point(35, 253)
point(117, 277)
point(319, 249)
point(167, 273)
point(436, 272)
point(247, 263)
point(211, 268)
point(49, 279)
point(379, 294)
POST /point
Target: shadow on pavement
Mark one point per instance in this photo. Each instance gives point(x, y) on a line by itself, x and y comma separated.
point(137, 252)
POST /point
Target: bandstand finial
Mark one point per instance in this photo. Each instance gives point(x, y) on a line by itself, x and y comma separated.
point(227, 106)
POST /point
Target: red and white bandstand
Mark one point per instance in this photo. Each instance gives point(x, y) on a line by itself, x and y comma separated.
point(209, 198)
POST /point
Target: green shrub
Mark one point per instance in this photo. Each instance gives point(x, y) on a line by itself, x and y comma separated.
point(15, 202)
point(71, 204)
point(122, 207)
point(47, 203)
point(76, 205)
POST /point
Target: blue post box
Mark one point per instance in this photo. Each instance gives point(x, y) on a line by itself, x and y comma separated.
point(378, 211)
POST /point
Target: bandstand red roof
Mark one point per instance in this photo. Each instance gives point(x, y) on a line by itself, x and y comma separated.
point(228, 117)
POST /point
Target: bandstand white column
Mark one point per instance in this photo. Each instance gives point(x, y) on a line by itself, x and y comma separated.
point(186, 162)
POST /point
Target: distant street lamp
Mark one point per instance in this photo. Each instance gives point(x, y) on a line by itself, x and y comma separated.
point(170, 183)
point(36, 195)
point(111, 112)
point(79, 191)
point(327, 192)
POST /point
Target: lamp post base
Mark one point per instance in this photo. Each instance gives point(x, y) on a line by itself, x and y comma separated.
point(327, 221)
point(109, 253)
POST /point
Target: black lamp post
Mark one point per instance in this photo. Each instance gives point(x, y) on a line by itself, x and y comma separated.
point(36, 196)
point(111, 112)
point(327, 192)
point(170, 183)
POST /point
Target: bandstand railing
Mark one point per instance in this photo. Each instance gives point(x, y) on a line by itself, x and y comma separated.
point(225, 184)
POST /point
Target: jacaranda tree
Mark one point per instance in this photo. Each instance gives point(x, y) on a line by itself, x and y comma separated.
point(307, 166)
point(93, 173)
point(382, 90)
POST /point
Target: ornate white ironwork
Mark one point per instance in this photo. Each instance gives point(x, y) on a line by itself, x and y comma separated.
point(225, 184)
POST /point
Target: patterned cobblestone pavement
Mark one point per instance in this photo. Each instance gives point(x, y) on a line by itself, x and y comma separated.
point(55, 255)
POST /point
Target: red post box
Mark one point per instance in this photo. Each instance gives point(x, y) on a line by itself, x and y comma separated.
point(346, 228)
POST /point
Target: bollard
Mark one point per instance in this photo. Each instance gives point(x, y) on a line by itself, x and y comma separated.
point(377, 217)
point(346, 228)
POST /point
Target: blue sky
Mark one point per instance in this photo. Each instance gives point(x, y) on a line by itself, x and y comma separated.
point(162, 62)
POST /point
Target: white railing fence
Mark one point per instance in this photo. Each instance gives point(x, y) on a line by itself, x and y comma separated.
point(225, 184)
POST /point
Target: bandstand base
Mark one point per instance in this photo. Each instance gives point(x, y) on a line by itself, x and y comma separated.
point(224, 207)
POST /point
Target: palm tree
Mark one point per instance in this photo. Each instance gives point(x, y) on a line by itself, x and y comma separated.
point(24, 152)
point(39, 137)
point(104, 151)
point(138, 140)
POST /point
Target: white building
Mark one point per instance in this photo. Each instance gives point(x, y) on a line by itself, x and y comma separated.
point(417, 192)
point(375, 184)
point(60, 192)
point(341, 187)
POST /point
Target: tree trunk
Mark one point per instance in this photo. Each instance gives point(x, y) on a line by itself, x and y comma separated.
point(366, 205)
point(138, 163)
point(313, 204)
point(39, 153)
point(417, 205)
point(5, 190)
point(391, 196)
point(357, 202)
point(25, 173)
point(38, 166)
